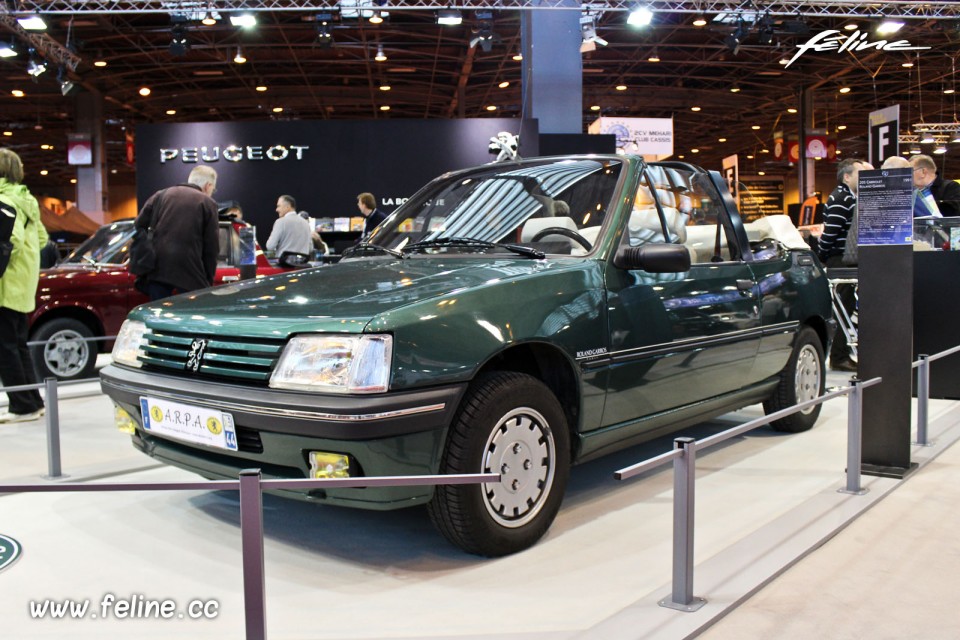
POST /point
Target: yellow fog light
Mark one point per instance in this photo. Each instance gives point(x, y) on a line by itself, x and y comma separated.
point(329, 465)
point(124, 420)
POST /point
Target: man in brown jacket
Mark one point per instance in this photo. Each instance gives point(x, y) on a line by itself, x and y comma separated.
point(185, 235)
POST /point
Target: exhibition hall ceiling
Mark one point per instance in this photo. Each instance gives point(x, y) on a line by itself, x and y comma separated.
point(724, 83)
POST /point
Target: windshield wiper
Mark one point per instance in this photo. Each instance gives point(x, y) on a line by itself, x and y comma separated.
point(479, 244)
point(369, 246)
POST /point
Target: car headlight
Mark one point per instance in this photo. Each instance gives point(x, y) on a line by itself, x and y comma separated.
point(129, 343)
point(335, 364)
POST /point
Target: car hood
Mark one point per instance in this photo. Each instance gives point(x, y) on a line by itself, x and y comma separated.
point(73, 275)
point(340, 298)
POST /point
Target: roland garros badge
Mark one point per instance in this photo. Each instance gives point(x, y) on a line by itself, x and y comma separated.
point(9, 551)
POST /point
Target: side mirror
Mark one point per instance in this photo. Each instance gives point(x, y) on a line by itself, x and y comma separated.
point(654, 258)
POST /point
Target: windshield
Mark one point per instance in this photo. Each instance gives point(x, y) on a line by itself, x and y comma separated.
point(108, 245)
point(555, 206)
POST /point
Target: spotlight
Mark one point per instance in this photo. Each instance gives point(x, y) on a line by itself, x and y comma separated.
point(640, 16)
point(588, 31)
point(888, 27)
point(179, 44)
point(324, 37)
point(210, 18)
point(376, 18)
point(940, 149)
point(795, 27)
point(484, 35)
point(243, 20)
point(7, 50)
point(733, 40)
point(32, 23)
point(324, 30)
point(66, 86)
point(35, 68)
point(449, 17)
point(700, 21)
point(765, 29)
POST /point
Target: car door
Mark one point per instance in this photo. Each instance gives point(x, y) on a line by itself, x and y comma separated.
point(680, 338)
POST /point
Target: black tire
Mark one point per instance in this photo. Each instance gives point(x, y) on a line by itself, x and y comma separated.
point(64, 357)
point(802, 379)
point(504, 419)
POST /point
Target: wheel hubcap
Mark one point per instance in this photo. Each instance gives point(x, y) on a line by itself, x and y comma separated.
point(807, 383)
point(522, 450)
point(66, 353)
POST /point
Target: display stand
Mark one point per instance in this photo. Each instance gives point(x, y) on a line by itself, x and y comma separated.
point(936, 309)
point(885, 228)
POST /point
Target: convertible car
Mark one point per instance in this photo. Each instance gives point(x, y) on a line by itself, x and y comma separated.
point(514, 318)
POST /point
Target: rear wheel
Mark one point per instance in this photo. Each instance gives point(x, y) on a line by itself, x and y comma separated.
point(511, 424)
point(65, 355)
point(802, 379)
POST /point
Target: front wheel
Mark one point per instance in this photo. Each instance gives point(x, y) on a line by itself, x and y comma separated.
point(511, 424)
point(65, 355)
point(802, 379)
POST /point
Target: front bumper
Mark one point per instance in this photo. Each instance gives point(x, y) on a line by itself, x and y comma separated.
point(390, 434)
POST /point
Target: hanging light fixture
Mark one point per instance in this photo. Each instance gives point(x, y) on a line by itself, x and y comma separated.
point(32, 23)
point(35, 68)
point(640, 16)
point(449, 17)
point(239, 58)
point(243, 20)
point(381, 56)
point(324, 33)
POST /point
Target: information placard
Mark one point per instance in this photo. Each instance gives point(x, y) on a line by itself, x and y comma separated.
point(885, 207)
point(760, 198)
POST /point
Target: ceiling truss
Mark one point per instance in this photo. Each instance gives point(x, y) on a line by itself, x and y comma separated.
point(835, 8)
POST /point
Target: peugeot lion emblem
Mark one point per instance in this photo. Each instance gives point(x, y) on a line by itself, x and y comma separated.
point(195, 357)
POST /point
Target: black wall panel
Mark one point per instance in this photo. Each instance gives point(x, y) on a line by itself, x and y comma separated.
point(323, 164)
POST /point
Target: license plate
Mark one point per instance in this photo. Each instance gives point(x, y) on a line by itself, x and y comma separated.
point(191, 424)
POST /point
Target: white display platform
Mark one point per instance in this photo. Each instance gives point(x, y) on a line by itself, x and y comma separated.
point(763, 501)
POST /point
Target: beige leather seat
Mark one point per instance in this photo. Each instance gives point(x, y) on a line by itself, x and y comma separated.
point(644, 224)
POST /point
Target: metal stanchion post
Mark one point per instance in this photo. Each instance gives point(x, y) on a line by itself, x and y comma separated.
point(251, 540)
point(53, 429)
point(854, 438)
point(684, 485)
point(923, 399)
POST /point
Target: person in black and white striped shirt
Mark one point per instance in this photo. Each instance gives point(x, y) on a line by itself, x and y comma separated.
point(838, 213)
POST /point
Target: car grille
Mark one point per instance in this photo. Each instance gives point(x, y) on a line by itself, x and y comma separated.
point(249, 359)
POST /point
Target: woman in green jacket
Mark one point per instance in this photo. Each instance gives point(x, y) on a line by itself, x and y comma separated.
point(18, 289)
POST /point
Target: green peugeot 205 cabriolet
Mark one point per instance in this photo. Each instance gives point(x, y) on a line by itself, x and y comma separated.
point(514, 318)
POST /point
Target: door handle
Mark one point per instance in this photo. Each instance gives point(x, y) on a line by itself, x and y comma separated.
point(745, 286)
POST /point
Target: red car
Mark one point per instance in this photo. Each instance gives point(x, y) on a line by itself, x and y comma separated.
point(91, 291)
